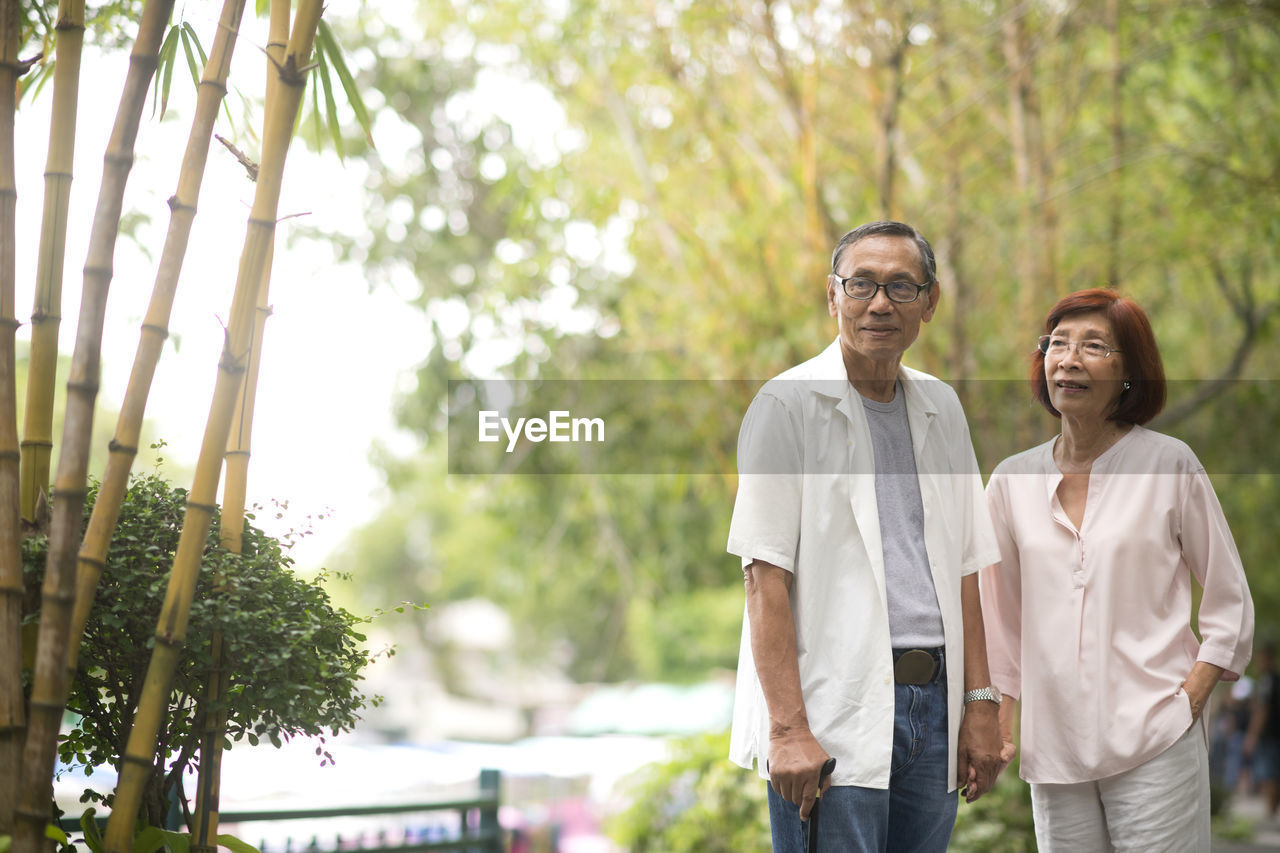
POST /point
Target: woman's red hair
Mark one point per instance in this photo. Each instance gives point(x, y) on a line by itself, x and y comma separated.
point(1143, 369)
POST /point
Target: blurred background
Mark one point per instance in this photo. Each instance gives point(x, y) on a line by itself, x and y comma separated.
point(612, 191)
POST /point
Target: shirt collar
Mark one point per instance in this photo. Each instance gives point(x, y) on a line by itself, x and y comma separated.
point(829, 379)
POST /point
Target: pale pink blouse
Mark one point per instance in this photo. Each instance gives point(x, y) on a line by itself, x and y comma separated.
point(1091, 627)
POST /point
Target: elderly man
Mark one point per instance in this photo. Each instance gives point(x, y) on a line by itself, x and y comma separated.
point(861, 522)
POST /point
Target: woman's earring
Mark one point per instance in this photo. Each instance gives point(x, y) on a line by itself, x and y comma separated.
point(1126, 385)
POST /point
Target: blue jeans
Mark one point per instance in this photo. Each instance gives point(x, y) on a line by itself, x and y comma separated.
point(915, 815)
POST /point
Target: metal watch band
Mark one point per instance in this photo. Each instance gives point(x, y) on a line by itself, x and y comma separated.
point(988, 693)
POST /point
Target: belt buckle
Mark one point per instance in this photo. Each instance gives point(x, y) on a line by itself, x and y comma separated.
point(915, 667)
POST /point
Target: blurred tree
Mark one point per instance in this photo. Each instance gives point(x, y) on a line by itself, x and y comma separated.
point(611, 190)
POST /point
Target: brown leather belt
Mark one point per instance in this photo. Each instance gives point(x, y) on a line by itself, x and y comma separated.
point(917, 666)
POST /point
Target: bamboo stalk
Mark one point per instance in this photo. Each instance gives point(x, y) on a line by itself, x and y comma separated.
point(48, 692)
point(12, 717)
point(235, 492)
point(172, 627)
point(46, 315)
point(155, 326)
point(123, 447)
point(204, 831)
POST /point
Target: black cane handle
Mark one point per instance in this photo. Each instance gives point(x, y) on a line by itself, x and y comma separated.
point(828, 767)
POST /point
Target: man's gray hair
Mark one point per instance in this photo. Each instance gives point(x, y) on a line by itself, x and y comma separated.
point(889, 228)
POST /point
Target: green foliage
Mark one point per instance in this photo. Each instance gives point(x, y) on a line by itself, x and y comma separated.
point(294, 659)
point(697, 802)
point(333, 64)
point(670, 214)
point(149, 839)
point(999, 822)
point(185, 34)
point(111, 25)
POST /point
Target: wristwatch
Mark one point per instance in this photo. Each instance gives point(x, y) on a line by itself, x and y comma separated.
point(988, 693)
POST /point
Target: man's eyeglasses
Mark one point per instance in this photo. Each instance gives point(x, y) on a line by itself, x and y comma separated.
point(1052, 345)
point(865, 288)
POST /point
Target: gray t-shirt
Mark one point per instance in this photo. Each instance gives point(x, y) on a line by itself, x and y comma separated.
point(914, 618)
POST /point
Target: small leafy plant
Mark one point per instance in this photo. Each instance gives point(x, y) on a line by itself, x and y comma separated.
point(696, 802)
point(294, 659)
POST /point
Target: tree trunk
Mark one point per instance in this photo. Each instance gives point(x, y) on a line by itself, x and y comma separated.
point(171, 630)
point(49, 688)
point(1024, 123)
point(1115, 234)
point(886, 141)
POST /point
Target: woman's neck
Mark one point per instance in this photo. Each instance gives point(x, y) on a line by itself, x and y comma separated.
point(1084, 440)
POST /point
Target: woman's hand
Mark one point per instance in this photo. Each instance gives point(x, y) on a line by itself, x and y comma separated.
point(1008, 749)
point(1199, 686)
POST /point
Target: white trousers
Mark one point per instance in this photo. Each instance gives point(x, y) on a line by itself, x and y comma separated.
point(1161, 806)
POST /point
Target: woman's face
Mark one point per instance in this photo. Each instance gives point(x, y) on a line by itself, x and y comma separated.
point(1083, 382)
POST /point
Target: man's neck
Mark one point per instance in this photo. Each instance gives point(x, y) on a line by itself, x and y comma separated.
point(872, 379)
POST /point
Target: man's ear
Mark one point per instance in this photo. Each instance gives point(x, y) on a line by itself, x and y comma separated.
point(831, 294)
point(935, 293)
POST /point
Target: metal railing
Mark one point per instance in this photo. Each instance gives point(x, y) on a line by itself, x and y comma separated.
point(469, 825)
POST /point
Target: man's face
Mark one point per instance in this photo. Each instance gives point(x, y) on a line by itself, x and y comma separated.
point(879, 330)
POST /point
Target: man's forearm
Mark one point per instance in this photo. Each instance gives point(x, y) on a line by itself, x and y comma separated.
point(977, 673)
point(773, 645)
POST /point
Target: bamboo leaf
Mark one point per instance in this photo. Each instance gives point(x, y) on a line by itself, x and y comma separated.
point(195, 40)
point(191, 59)
point(33, 83)
point(168, 51)
point(235, 845)
point(46, 21)
point(330, 108)
point(329, 45)
point(317, 126)
point(52, 831)
point(262, 6)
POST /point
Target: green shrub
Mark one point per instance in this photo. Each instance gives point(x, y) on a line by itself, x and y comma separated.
point(698, 802)
point(294, 660)
point(999, 822)
point(695, 803)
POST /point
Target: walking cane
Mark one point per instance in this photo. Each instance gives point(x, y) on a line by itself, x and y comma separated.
point(812, 843)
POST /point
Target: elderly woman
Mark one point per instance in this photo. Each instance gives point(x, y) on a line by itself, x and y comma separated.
point(1088, 612)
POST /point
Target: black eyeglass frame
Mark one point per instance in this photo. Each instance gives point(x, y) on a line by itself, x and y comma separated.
point(844, 285)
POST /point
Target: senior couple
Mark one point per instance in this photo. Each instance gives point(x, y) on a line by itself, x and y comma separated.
point(897, 615)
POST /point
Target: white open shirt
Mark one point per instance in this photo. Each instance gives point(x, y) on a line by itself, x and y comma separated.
point(807, 503)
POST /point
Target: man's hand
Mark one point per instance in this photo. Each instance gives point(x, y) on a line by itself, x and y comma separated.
point(795, 763)
point(980, 750)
